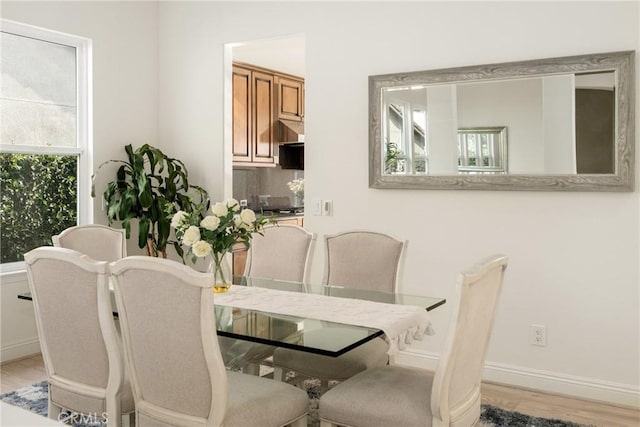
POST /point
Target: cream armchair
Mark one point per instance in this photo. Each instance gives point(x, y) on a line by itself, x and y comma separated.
point(399, 396)
point(100, 242)
point(178, 376)
point(80, 345)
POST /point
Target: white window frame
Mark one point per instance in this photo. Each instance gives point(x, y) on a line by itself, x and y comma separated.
point(84, 129)
point(406, 146)
point(499, 134)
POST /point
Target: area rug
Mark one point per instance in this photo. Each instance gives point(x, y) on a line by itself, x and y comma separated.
point(34, 399)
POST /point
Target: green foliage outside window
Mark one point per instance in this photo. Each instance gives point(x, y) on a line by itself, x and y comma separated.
point(39, 199)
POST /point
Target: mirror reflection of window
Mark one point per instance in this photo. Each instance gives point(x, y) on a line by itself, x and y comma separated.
point(482, 150)
point(405, 130)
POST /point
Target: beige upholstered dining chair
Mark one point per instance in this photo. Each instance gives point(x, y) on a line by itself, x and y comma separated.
point(394, 395)
point(179, 379)
point(283, 252)
point(354, 259)
point(98, 241)
point(364, 260)
point(80, 345)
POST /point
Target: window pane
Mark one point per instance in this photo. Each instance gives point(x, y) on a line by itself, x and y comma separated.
point(38, 92)
point(39, 199)
point(27, 123)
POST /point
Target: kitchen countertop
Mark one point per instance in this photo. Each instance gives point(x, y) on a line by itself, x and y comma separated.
point(281, 216)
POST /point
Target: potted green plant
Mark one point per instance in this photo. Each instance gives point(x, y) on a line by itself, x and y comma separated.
point(150, 187)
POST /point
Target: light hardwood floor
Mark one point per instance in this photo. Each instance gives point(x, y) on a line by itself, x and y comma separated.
point(23, 372)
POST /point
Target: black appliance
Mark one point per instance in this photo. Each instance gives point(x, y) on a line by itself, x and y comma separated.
point(292, 156)
point(295, 210)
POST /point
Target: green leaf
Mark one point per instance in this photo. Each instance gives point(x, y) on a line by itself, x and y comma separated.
point(145, 225)
point(129, 151)
point(164, 229)
point(112, 211)
point(126, 224)
point(179, 250)
point(145, 194)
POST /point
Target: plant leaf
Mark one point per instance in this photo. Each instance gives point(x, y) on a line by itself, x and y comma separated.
point(144, 232)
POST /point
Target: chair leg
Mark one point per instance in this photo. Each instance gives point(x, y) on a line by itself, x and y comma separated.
point(128, 420)
point(53, 411)
point(278, 374)
point(251, 369)
point(302, 422)
point(114, 415)
point(392, 360)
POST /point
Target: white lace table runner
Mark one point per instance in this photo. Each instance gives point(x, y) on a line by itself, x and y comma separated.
point(400, 323)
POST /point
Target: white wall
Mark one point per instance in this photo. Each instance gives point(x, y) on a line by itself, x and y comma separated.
point(574, 256)
point(558, 121)
point(125, 99)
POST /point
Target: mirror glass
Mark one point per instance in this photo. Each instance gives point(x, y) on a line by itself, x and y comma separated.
point(560, 123)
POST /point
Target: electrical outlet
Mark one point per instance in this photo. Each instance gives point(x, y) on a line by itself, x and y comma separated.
point(538, 335)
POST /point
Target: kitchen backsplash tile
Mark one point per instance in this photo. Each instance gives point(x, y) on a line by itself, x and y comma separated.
point(250, 183)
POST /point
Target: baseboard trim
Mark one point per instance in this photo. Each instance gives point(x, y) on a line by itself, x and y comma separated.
point(19, 350)
point(548, 382)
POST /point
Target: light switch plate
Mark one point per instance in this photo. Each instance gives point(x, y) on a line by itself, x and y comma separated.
point(327, 207)
point(316, 206)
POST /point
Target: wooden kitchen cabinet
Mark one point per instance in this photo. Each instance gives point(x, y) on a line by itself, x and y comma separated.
point(239, 261)
point(293, 221)
point(290, 98)
point(261, 97)
point(254, 121)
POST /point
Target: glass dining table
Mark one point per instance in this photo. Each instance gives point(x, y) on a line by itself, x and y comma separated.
point(298, 332)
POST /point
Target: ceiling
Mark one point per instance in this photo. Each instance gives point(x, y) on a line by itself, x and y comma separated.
point(285, 54)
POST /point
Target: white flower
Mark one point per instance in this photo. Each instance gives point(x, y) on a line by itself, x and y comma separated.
point(239, 223)
point(219, 209)
point(210, 222)
point(248, 216)
point(296, 186)
point(233, 203)
point(201, 249)
point(178, 218)
point(191, 235)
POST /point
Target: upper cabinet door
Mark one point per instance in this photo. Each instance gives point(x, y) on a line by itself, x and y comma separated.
point(264, 123)
point(290, 99)
point(242, 106)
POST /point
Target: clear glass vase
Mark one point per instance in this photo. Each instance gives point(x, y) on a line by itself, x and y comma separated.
point(221, 272)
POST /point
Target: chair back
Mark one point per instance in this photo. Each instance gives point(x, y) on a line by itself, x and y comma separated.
point(167, 320)
point(283, 252)
point(98, 241)
point(364, 260)
point(78, 337)
point(455, 397)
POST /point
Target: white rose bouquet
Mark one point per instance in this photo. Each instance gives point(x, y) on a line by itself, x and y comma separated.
point(296, 186)
point(216, 233)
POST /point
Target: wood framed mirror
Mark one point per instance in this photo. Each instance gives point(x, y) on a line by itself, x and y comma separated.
point(551, 124)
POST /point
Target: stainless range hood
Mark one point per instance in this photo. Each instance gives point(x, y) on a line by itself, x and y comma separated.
point(291, 131)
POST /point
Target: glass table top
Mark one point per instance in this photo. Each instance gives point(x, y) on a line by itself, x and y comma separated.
point(315, 336)
point(299, 333)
